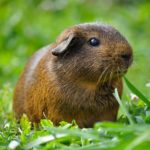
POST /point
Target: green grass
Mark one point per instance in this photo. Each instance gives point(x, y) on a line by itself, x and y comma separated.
point(25, 26)
point(131, 131)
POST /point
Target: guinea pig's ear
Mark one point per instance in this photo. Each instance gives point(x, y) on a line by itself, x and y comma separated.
point(63, 45)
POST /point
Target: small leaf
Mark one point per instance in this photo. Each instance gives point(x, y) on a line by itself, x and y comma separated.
point(147, 119)
point(46, 123)
point(25, 124)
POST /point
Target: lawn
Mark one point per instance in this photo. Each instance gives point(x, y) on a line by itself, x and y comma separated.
point(27, 26)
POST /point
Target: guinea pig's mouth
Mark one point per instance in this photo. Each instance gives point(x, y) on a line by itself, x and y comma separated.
point(107, 76)
point(121, 72)
point(122, 68)
point(114, 70)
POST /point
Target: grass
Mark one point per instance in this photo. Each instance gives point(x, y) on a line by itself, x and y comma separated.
point(131, 131)
point(27, 26)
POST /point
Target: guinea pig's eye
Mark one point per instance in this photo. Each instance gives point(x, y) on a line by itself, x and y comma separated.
point(94, 41)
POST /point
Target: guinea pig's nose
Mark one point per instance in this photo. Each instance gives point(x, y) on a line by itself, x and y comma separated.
point(126, 56)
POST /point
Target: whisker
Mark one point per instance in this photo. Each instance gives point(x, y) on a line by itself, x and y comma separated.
point(106, 74)
point(110, 77)
point(118, 72)
point(101, 76)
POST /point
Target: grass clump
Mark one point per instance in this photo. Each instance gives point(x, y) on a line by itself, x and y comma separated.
point(131, 131)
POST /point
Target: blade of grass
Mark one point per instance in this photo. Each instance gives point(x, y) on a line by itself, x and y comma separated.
point(136, 91)
point(41, 140)
point(123, 107)
point(139, 140)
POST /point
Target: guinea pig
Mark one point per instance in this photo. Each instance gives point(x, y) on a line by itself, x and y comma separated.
point(74, 78)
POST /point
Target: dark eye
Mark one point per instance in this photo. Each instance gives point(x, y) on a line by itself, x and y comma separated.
point(94, 41)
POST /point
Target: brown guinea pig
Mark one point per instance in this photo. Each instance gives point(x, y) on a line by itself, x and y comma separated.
point(75, 77)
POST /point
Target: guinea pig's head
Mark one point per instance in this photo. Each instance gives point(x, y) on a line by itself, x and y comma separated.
point(92, 52)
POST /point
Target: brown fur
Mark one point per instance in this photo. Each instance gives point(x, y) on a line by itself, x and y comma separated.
point(77, 83)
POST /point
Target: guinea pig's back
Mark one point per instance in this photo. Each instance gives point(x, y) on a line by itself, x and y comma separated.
point(26, 80)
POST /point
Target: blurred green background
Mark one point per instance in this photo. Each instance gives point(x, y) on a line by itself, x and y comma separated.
point(26, 26)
